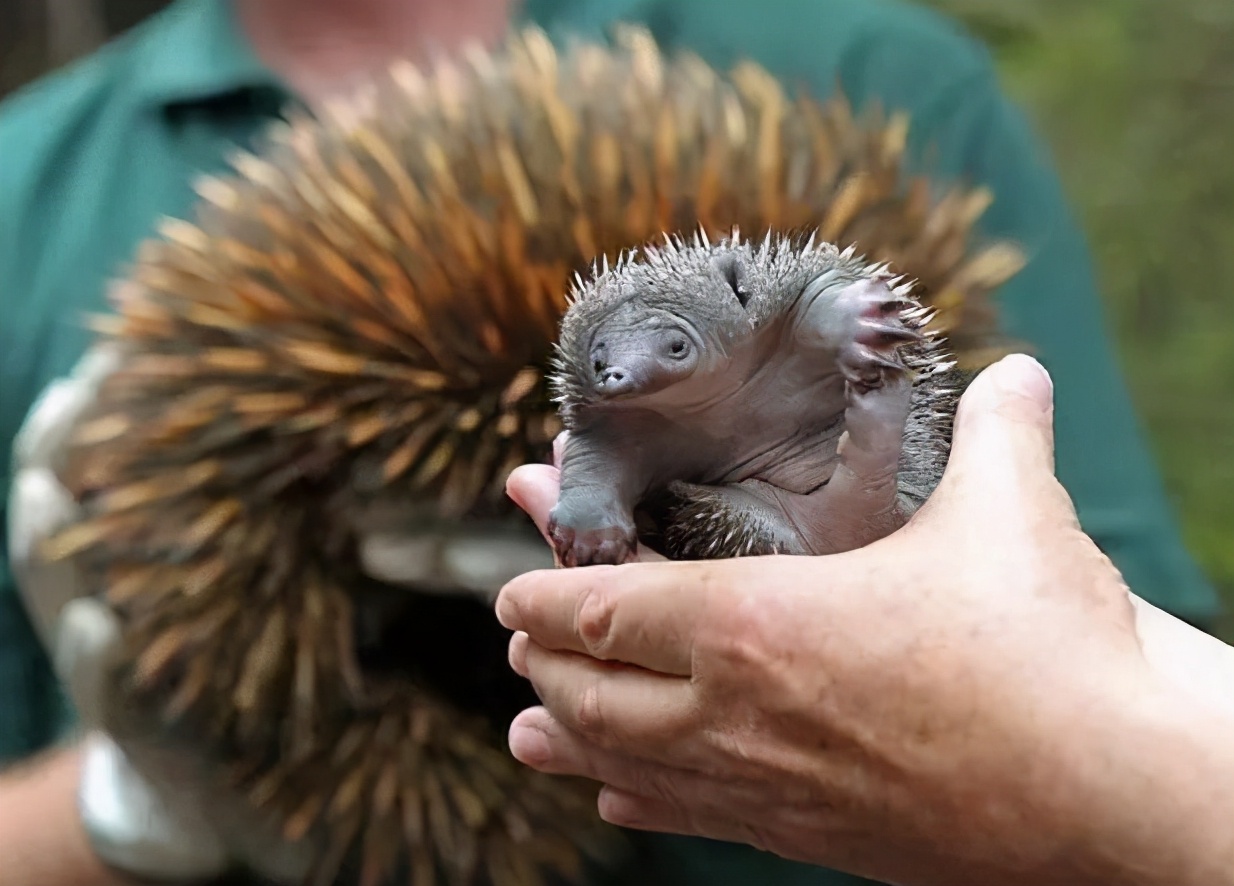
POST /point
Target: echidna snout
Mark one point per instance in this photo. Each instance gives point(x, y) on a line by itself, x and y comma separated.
point(629, 360)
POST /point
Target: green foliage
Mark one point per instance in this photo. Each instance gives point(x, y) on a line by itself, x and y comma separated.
point(1134, 99)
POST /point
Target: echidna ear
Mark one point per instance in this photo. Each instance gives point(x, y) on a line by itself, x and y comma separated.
point(730, 269)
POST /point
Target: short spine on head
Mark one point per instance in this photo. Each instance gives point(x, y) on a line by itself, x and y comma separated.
point(897, 337)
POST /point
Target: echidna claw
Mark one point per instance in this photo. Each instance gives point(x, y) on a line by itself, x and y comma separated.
point(865, 368)
point(896, 305)
point(601, 545)
point(887, 333)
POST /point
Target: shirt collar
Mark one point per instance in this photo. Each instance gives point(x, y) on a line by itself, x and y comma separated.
point(194, 52)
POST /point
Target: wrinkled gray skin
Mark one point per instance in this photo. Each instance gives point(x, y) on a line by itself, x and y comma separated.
point(750, 399)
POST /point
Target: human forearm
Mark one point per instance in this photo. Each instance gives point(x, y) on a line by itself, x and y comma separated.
point(1198, 664)
point(1163, 789)
point(42, 840)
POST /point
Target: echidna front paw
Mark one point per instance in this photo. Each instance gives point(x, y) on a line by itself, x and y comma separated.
point(861, 503)
point(882, 326)
point(874, 423)
point(580, 541)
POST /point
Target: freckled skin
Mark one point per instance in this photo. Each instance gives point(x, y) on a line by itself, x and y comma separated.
point(747, 400)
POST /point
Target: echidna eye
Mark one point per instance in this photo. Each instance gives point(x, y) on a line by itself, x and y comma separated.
point(597, 366)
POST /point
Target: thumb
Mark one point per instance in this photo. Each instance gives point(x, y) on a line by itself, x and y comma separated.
point(1003, 440)
point(535, 488)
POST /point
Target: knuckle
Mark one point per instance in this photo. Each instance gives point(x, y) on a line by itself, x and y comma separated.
point(743, 634)
point(589, 713)
point(595, 618)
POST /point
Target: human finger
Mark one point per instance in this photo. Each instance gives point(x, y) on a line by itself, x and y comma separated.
point(686, 813)
point(673, 798)
point(644, 614)
point(1003, 439)
point(88, 636)
point(40, 507)
point(535, 488)
point(559, 446)
point(446, 558)
point(537, 739)
point(1012, 401)
point(610, 704)
point(43, 438)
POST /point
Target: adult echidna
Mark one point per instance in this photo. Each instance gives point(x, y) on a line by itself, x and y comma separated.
point(366, 313)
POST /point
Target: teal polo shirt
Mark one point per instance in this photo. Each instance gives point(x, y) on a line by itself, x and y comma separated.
point(92, 155)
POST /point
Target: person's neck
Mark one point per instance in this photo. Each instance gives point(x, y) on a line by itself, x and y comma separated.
point(320, 48)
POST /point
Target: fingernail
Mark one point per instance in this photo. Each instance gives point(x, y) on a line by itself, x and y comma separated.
point(619, 808)
point(1021, 375)
point(506, 609)
point(528, 743)
point(529, 746)
point(517, 653)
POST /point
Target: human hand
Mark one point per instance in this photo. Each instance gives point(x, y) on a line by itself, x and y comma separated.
point(151, 807)
point(976, 698)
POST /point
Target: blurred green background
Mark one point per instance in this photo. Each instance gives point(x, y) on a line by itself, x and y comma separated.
point(1134, 98)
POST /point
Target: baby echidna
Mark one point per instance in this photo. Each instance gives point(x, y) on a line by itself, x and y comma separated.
point(366, 314)
point(788, 398)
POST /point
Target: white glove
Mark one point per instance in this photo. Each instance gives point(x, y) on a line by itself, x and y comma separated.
point(152, 809)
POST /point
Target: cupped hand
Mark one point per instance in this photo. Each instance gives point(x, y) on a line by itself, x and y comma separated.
point(965, 701)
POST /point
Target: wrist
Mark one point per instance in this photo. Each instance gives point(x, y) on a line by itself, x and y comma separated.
point(1197, 663)
point(1159, 775)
